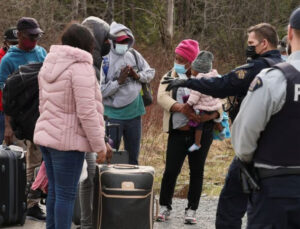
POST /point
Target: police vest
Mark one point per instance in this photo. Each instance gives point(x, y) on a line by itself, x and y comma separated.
point(279, 143)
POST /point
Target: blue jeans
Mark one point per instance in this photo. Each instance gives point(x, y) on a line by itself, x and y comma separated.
point(2, 126)
point(63, 171)
point(131, 130)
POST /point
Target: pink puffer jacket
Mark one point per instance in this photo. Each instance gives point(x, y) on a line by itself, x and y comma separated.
point(204, 102)
point(71, 111)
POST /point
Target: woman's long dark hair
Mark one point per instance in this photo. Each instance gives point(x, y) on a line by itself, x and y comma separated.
point(78, 36)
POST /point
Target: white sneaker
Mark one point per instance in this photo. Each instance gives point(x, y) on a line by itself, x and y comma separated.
point(190, 217)
point(194, 147)
point(164, 214)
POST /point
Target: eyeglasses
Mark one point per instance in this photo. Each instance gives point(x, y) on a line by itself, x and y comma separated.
point(33, 36)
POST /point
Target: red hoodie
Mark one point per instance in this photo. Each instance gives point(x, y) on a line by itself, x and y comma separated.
point(2, 53)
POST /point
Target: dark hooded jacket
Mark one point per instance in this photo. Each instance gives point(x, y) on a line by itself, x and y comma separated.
point(100, 29)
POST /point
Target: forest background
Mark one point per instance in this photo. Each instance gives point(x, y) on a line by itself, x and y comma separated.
point(158, 26)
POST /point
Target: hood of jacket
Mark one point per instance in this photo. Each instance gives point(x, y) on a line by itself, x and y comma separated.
point(115, 28)
point(15, 49)
point(60, 58)
point(37, 50)
point(100, 29)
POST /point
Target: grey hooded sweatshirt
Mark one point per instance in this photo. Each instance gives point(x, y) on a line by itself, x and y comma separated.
point(100, 30)
point(115, 95)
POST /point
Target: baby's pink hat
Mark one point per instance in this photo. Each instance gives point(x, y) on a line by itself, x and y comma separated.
point(189, 49)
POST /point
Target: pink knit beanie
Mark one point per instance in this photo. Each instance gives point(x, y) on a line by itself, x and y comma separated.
point(189, 49)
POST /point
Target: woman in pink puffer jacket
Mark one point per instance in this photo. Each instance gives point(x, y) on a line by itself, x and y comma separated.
point(71, 120)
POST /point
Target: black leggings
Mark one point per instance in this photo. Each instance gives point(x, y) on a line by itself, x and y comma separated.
point(177, 150)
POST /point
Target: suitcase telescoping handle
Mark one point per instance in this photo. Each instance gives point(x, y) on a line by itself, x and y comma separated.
point(110, 126)
point(21, 152)
point(125, 166)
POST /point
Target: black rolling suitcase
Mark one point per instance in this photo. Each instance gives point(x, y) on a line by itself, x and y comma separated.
point(12, 186)
point(123, 197)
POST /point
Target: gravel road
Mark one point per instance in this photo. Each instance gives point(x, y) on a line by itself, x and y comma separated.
point(205, 216)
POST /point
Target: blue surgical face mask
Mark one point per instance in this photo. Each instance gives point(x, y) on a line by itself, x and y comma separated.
point(284, 57)
point(180, 68)
point(121, 49)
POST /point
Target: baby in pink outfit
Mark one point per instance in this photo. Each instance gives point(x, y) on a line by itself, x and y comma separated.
point(202, 104)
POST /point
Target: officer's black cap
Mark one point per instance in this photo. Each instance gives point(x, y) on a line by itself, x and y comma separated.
point(295, 19)
point(11, 35)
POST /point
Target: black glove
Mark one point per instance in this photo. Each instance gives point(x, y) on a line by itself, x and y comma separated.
point(173, 83)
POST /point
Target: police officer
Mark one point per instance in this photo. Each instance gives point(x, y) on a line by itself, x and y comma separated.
point(262, 53)
point(266, 132)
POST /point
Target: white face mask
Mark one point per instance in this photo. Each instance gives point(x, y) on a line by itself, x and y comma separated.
point(121, 48)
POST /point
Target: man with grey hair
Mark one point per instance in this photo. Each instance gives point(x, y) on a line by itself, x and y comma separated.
point(282, 47)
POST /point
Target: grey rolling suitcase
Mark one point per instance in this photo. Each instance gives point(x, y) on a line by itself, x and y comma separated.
point(119, 156)
point(13, 204)
point(123, 197)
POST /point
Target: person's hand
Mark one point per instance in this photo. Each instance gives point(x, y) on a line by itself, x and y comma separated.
point(185, 109)
point(173, 83)
point(207, 117)
point(8, 135)
point(189, 112)
point(123, 75)
point(133, 74)
point(109, 153)
point(101, 157)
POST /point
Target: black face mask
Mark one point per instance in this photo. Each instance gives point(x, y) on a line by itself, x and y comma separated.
point(250, 52)
point(105, 49)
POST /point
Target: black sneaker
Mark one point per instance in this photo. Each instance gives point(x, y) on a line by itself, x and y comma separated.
point(36, 213)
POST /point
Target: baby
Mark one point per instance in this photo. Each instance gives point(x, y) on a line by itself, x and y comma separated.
point(202, 104)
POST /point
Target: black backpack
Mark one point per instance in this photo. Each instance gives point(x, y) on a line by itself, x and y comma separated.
point(21, 100)
point(146, 89)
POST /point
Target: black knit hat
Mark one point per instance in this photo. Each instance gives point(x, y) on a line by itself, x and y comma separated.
point(203, 62)
point(10, 35)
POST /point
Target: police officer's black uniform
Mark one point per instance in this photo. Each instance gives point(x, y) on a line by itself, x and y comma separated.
point(266, 133)
point(233, 202)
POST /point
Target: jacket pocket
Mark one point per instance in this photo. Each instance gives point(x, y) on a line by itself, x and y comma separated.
point(80, 130)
